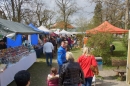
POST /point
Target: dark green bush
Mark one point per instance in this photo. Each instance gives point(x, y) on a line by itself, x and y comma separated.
point(100, 42)
point(125, 41)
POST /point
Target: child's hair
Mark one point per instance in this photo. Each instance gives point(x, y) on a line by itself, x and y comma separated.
point(53, 70)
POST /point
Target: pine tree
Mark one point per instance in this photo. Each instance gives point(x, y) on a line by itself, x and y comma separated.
point(97, 18)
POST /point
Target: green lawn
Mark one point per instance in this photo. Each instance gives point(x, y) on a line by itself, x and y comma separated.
point(120, 51)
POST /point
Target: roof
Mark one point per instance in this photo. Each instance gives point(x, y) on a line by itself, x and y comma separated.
point(8, 27)
point(61, 25)
point(43, 28)
point(107, 27)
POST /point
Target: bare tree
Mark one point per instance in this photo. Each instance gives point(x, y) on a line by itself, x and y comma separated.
point(127, 14)
point(66, 9)
point(113, 11)
point(12, 9)
point(29, 17)
point(48, 17)
point(81, 22)
point(43, 15)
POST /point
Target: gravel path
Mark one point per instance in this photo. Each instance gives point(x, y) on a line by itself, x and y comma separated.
point(108, 79)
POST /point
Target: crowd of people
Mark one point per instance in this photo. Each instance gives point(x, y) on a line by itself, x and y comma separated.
point(69, 73)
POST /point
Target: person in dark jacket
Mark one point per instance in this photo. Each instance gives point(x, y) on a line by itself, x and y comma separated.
point(22, 78)
point(71, 73)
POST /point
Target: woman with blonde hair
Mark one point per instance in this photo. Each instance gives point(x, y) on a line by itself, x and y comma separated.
point(87, 61)
point(71, 73)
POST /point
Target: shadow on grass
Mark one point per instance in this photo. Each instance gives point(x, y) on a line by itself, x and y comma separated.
point(116, 77)
point(101, 83)
point(39, 71)
point(119, 54)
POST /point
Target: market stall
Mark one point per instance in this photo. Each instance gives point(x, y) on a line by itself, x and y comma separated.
point(107, 27)
point(7, 76)
point(43, 28)
point(64, 32)
point(57, 31)
point(15, 57)
point(11, 29)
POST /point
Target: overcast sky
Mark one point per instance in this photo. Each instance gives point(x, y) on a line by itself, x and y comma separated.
point(87, 11)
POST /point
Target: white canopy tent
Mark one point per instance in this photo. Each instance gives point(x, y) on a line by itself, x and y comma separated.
point(43, 28)
point(64, 32)
point(78, 32)
point(57, 31)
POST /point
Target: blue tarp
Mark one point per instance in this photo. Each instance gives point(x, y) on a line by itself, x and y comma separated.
point(36, 29)
point(14, 43)
point(34, 39)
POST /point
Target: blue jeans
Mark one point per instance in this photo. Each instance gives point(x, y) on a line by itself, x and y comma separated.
point(59, 69)
point(49, 56)
point(88, 81)
point(70, 46)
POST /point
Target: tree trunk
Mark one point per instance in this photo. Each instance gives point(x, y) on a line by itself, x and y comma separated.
point(127, 14)
point(13, 9)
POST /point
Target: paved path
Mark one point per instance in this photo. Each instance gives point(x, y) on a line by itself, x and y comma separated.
point(108, 79)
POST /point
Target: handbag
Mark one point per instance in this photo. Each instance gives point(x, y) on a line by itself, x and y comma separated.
point(94, 68)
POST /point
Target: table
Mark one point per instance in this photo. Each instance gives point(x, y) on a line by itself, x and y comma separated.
point(7, 76)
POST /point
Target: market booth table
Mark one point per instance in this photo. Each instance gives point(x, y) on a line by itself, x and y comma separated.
point(7, 76)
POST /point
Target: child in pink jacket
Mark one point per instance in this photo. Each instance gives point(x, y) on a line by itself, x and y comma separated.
point(53, 78)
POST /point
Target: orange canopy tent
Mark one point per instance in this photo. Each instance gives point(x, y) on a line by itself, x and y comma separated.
point(107, 27)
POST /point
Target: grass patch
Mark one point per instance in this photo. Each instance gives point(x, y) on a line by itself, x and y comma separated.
point(118, 78)
point(99, 77)
point(120, 52)
point(39, 71)
point(76, 52)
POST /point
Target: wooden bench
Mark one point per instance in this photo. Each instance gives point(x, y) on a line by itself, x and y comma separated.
point(118, 63)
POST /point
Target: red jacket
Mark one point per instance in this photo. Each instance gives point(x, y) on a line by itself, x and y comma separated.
point(52, 80)
point(85, 63)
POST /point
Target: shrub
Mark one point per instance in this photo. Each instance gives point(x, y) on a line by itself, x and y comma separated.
point(80, 37)
point(100, 42)
point(125, 41)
